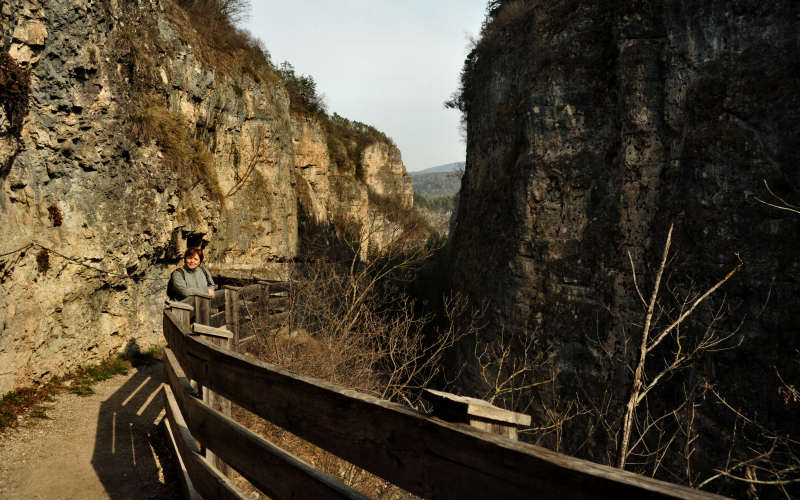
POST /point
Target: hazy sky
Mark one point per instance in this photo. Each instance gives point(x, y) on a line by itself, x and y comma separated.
point(388, 63)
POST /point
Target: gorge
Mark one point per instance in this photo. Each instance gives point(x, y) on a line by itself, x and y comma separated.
point(131, 130)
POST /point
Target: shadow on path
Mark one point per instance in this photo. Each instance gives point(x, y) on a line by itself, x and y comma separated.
point(132, 454)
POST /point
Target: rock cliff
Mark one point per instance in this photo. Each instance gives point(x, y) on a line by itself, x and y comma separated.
point(139, 137)
point(333, 192)
point(593, 126)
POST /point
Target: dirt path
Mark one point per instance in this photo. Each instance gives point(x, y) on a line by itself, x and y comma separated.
point(111, 444)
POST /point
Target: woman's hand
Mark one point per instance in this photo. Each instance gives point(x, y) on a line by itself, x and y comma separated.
point(211, 292)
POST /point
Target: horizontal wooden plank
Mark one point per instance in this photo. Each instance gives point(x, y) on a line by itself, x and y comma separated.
point(274, 471)
point(464, 406)
point(425, 456)
point(275, 285)
point(278, 315)
point(179, 305)
point(250, 289)
point(189, 492)
point(243, 342)
point(255, 297)
point(199, 329)
point(206, 479)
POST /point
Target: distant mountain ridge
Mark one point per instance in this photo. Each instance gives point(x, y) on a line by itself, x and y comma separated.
point(436, 184)
point(448, 167)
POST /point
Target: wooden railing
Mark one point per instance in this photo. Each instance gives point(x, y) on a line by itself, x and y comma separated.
point(425, 456)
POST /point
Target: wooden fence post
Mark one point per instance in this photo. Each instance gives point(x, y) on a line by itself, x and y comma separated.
point(182, 310)
point(202, 308)
point(222, 338)
point(232, 314)
point(476, 413)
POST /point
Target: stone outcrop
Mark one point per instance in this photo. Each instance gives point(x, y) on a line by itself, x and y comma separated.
point(593, 126)
point(332, 193)
point(133, 147)
point(385, 173)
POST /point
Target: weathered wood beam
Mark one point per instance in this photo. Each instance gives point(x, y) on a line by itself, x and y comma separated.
point(199, 329)
point(476, 413)
point(206, 479)
point(271, 469)
point(427, 457)
point(175, 304)
point(182, 310)
point(202, 307)
point(232, 314)
point(218, 301)
point(189, 492)
point(247, 340)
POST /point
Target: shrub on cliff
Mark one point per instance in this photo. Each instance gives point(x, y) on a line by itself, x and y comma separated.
point(302, 91)
point(413, 225)
point(15, 89)
point(347, 140)
point(222, 44)
point(152, 121)
point(500, 14)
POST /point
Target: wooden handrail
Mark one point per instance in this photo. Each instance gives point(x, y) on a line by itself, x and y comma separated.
point(207, 480)
point(274, 471)
point(210, 330)
point(427, 457)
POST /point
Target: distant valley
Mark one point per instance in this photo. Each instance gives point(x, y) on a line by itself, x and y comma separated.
point(436, 191)
point(442, 180)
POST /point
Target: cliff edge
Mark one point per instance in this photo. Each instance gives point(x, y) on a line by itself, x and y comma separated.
point(129, 130)
point(593, 127)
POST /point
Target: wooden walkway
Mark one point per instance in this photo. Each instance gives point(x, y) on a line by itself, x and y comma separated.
point(425, 456)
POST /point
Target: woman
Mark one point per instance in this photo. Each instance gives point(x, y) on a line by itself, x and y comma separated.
point(191, 278)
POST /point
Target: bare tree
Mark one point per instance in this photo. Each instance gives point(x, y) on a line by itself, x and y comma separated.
point(257, 148)
point(771, 458)
point(509, 369)
point(777, 201)
point(642, 384)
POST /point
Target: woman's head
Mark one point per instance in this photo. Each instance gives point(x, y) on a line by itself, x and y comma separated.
point(193, 257)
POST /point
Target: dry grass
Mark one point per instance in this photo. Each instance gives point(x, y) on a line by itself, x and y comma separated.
point(351, 323)
point(347, 140)
point(152, 121)
point(27, 400)
point(137, 43)
point(331, 334)
point(211, 27)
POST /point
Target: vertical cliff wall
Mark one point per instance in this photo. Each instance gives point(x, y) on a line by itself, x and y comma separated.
point(139, 138)
point(337, 191)
point(593, 126)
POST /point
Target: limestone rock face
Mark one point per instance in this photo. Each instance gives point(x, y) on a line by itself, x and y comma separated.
point(333, 193)
point(102, 197)
point(385, 173)
point(594, 126)
point(312, 165)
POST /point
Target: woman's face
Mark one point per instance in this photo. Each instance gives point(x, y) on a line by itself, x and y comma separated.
point(192, 261)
